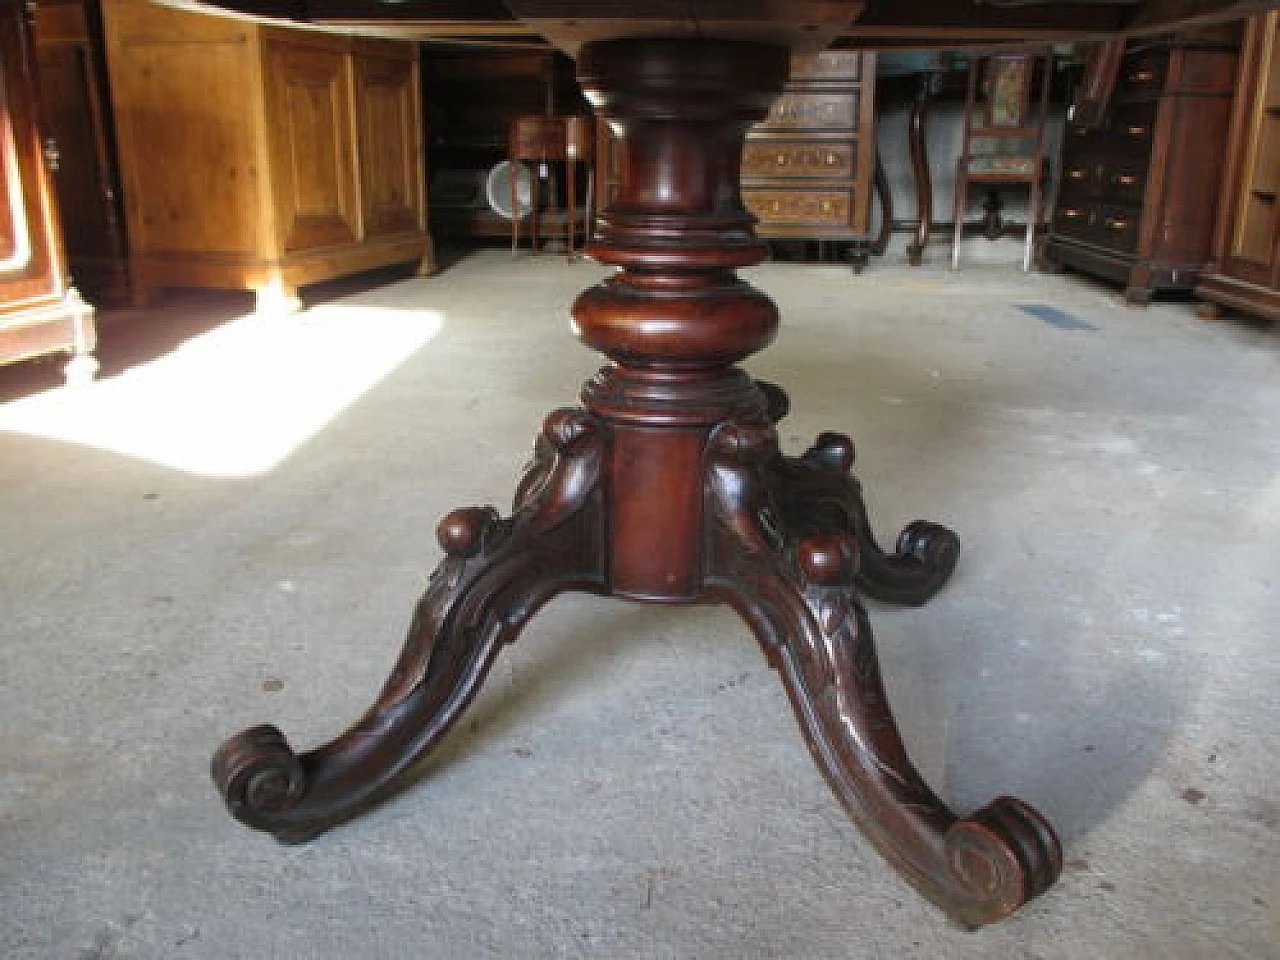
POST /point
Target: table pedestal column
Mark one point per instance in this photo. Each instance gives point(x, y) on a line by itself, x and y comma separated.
point(669, 486)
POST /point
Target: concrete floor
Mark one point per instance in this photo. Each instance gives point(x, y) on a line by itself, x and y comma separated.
point(232, 526)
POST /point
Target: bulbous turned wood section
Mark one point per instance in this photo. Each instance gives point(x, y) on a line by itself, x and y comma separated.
point(669, 486)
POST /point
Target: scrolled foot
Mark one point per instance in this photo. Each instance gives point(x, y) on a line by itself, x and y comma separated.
point(1000, 857)
point(496, 574)
point(796, 585)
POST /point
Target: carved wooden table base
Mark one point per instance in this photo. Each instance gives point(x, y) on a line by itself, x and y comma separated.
point(669, 486)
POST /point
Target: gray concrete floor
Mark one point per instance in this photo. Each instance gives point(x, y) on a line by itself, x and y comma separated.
point(631, 783)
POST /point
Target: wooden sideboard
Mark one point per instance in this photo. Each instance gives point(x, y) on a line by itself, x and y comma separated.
point(1138, 192)
point(263, 158)
point(1244, 271)
point(40, 312)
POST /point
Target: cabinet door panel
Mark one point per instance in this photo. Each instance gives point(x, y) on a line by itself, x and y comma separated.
point(386, 98)
point(310, 129)
point(28, 270)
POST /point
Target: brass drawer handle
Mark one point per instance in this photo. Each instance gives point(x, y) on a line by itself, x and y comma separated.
point(1125, 179)
point(1118, 223)
point(1072, 214)
point(1137, 130)
point(1077, 174)
point(1142, 76)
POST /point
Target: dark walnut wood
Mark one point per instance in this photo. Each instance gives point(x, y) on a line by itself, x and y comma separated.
point(669, 486)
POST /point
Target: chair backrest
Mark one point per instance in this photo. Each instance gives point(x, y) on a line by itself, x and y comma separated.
point(1006, 108)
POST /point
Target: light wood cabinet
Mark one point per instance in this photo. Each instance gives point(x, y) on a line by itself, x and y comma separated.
point(1245, 268)
point(40, 312)
point(261, 157)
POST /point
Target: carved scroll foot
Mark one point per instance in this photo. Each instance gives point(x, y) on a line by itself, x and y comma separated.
point(495, 575)
point(795, 584)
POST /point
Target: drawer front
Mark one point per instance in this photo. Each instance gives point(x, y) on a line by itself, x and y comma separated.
point(1142, 74)
point(1123, 182)
point(764, 158)
point(1117, 228)
point(813, 207)
point(1074, 220)
point(1079, 178)
point(828, 65)
point(1132, 127)
point(813, 111)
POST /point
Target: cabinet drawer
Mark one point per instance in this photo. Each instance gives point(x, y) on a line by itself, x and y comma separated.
point(1074, 219)
point(1123, 182)
point(827, 65)
point(1117, 228)
point(810, 207)
point(812, 111)
point(1142, 74)
point(1131, 128)
point(765, 158)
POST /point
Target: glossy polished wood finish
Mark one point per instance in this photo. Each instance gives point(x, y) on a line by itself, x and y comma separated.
point(40, 312)
point(670, 486)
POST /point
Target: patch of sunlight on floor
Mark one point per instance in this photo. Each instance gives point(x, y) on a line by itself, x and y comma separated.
point(236, 401)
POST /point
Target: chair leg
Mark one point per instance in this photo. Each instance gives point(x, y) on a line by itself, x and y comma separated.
point(515, 212)
point(570, 204)
point(962, 188)
point(1033, 220)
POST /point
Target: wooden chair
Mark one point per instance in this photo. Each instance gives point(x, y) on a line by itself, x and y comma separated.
point(544, 139)
point(1004, 132)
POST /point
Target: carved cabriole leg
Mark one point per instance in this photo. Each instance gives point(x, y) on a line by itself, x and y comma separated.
point(495, 576)
point(795, 585)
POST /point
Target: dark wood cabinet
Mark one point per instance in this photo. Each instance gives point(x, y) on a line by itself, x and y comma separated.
point(1244, 271)
point(75, 121)
point(472, 98)
point(1138, 191)
point(40, 312)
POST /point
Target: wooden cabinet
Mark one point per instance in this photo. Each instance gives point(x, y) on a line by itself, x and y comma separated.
point(1244, 271)
point(263, 158)
point(40, 312)
point(808, 168)
point(474, 95)
point(75, 121)
point(1138, 191)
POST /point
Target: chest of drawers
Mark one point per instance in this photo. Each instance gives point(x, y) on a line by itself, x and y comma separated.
point(808, 168)
point(1138, 191)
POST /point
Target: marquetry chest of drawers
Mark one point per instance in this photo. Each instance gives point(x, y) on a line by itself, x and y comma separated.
point(808, 168)
point(1138, 192)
